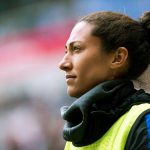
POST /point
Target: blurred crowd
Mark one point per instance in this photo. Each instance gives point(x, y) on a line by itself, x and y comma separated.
point(29, 124)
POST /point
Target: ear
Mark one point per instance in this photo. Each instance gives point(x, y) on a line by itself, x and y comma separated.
point(119, 58)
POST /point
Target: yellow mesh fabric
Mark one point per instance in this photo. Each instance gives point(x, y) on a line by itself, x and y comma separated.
point(115, 138)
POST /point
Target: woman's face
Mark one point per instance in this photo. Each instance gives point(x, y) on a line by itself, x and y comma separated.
point(84, 62)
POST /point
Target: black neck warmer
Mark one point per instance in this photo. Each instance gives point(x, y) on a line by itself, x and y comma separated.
point(90, 116)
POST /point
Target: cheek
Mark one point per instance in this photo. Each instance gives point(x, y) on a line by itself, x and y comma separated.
point(95, 71)
point(89, 72)
point(82, 67)
point(90, 65)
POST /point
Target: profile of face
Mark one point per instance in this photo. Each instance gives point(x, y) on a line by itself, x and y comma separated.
point(85, 63)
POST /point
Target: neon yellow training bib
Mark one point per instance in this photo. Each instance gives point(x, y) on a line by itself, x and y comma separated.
point(115, 138)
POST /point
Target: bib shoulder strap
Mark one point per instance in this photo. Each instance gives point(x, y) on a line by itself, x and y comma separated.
point(139, 135)
point(116, 137)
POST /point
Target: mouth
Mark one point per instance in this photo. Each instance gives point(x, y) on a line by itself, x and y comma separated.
point(70, 78)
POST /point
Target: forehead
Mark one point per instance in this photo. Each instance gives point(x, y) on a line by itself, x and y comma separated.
point(80, 32)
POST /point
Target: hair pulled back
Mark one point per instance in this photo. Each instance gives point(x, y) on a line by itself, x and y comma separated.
point(117, 30)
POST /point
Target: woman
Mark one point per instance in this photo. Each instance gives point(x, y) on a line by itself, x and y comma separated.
point(104, 52)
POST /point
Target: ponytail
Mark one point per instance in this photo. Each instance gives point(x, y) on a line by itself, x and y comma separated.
point(144, 80)
point(145, 22)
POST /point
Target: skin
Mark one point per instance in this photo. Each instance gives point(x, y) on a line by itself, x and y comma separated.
point(85, 63)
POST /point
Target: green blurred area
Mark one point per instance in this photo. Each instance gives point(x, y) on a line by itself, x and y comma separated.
point(13, 4)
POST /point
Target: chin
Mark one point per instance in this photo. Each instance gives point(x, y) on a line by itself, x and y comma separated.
point(74, 93)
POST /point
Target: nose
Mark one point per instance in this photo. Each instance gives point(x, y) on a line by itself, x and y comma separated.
point(65, 64)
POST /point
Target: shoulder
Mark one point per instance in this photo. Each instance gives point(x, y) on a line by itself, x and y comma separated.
point(139, 136)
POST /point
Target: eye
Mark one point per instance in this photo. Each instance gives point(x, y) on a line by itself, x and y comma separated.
point(76, 48)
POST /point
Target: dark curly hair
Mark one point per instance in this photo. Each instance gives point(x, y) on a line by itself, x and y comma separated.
point(118, 30)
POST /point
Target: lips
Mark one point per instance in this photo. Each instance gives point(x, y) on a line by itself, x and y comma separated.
point(70, 79)
point(70, 76)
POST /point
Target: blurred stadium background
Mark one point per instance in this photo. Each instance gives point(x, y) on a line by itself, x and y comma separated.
point(32, 89)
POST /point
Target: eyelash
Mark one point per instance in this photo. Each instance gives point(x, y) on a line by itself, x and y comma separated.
point(76, 48)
